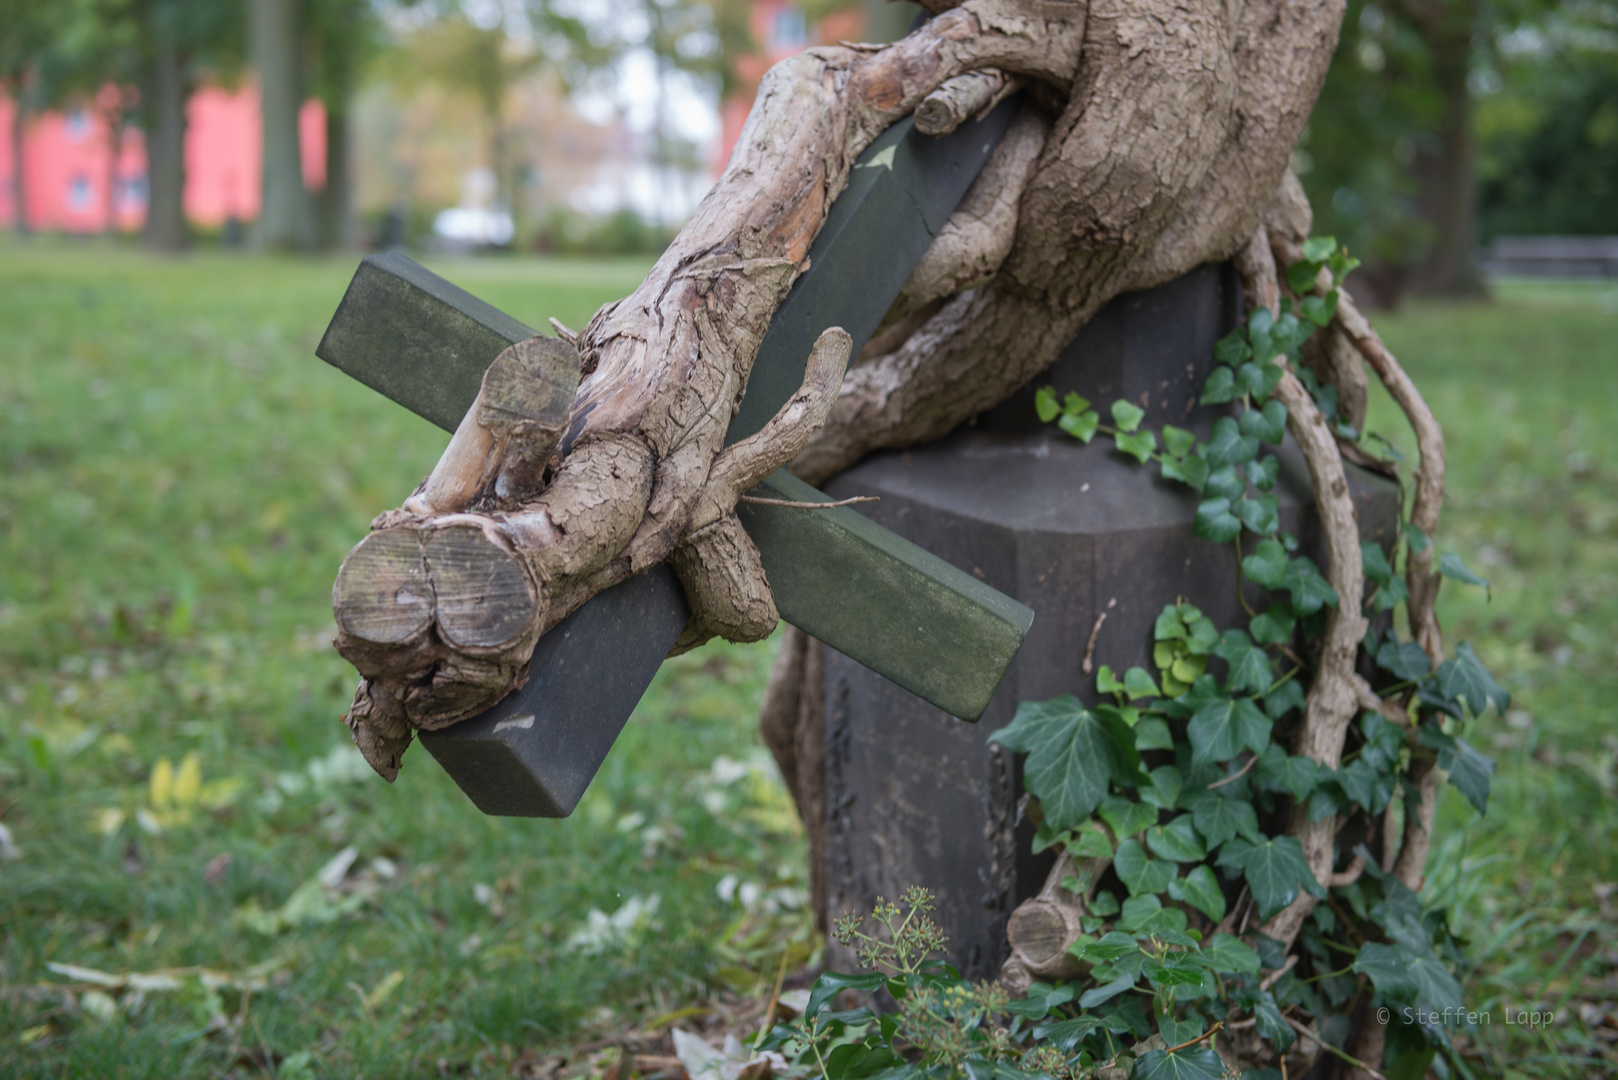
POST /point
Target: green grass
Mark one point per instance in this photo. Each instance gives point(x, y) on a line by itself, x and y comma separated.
point(179, 479)
point(1524, 388)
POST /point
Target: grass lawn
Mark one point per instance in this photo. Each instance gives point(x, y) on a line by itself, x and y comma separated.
point(181, 478)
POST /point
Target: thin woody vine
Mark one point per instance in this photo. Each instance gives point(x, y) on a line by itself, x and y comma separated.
point(1239, 854)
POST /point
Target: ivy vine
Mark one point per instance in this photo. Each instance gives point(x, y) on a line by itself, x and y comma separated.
point(1172, 799)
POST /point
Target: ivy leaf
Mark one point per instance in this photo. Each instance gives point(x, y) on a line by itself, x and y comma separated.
point(1138, 684)
point(1451, 566)
point(1274, 870)
point(1390, 595)
point(1267, 566)
point(1169, 626)
point(1040, 999)
point(1090, 843)
point(1274, 626)
point(1095, 997)
point(1225, 482)
point(1263, 472)
point(1203, 636)
point(1289, 332)
point(1073, 404)
point(1177, 441)
point(1126, 816)
point(1404, 659)
point(1365, 784)
point(1283, 699)
point(1408, 974)
point(1103, 903)
point(1320, 310)
point(1107, 682)
point(1280, 771)
point(1310, 591)
point(1249, 666)
point(1066, 1034)
point(832, 983)
point(1250, 378)
point(1220, 730)
point(1187, 669)
point(1140, 912)
point(1318, 249)
point(1113, 946)
point(1127, 417)
point(1152, 733)
point(1260, 515)
point(1229, 953)
point(1267, 425)
point(1269, 1023)
point(1192, 1063)
point(1465, 679)
point(1082, 426)
point(1045, 404)
point(1177, 841)
point(1165, 787)
point(1328, 797)
point(1228, 446)
point(1232, 349)
point(1259, 325)
point(1301, 275)
point(1220, 386)
point(1375, 559)
point(1415, 537)
point(1215, 522)
point(1191, 471)
point(1271, 375)
point(1470, 770)
point(1200, 889)
point(1072, 754)
point(1141, 874)
point(1140, 446)
point(1383, 741)
point(1219, 818)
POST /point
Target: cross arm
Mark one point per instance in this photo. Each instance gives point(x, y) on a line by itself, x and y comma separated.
point(866, 592)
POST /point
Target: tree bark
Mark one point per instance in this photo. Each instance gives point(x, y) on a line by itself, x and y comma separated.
point(19, 175)
point(1449, 175)
point(337, 199)
point(114, 119)
point(165, 145)
point(285, 213)
point(1157, 138)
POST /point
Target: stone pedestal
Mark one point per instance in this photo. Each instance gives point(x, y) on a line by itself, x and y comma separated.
point(916, 797)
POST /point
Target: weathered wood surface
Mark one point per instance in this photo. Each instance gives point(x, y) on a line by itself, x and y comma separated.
point(849, 581)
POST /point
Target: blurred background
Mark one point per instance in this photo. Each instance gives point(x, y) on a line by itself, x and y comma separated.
point(591, 126)
point(198, 875)
point(518, 125)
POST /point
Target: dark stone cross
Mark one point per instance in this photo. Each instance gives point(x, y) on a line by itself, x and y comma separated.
point(923, 624)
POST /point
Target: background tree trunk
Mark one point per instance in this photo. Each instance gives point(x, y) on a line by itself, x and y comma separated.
point(114, 119)
point(1448, 171)
point(165, 145)
point(19, 180)
point(286, 216)
point(1452, 185)
point(337, 200)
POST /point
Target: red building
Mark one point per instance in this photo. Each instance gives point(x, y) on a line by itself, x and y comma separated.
point(75, 179)
point(782, 30)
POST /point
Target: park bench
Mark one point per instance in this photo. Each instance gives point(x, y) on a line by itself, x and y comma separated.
point(1554, 256)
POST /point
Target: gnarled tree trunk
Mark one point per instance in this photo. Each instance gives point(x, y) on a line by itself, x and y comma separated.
point(1155, 137)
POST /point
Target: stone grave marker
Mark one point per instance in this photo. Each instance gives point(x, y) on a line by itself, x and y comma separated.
point(1094, 542)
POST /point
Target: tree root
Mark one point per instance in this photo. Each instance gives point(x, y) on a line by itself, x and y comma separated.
point(1334, 695)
